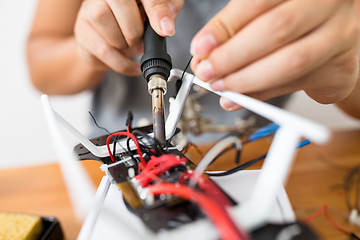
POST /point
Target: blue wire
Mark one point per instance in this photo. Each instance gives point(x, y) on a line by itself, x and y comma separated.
point(264, 132)
point(269, 130)
point(303, 143)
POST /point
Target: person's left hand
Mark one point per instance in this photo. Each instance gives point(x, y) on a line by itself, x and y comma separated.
point(268, 48)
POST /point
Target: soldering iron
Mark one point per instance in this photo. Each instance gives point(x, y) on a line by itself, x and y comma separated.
point(155, 66)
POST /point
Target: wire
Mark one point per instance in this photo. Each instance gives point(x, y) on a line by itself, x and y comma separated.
point(133, 138)
point(151, 176)
point(186, 67)
point(158, 166)
point(264, 132)
point(238, 168)
point(213, 152)
point(92, 116)
point(354, 236)
point(129, 120)
point(209, 187)
point(197, 149)
point(155, 145)
point(226, 228)
point(179, 81)
point(249, 163)
point(324, 210)
point(315, 215)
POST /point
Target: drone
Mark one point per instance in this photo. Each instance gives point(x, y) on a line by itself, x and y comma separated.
point(151, 191)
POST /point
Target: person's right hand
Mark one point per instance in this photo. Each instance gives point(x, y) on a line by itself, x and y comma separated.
point(109, 32)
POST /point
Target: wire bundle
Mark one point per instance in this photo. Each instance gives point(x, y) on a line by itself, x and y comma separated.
point(158, 166)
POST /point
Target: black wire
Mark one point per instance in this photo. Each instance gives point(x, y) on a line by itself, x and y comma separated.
point(187, 65)
point(129, 120)
point(238, 168)
point(109, 133)
point(226, 150)
point(115, 142)
point(179, 81)
point(353, 235)
point(92, 116)
point(152, 141)
point(130, 152)
point(169, 142)
point(114, 146)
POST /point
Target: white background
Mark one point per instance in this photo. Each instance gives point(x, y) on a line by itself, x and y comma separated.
point(24, 138)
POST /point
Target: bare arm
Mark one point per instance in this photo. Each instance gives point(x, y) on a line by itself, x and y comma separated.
point(55, 66)
point(73, 42)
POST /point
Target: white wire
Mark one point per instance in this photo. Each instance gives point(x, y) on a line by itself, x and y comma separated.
point(211, 154)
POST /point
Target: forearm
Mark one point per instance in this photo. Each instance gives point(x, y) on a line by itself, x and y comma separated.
point(56, 68)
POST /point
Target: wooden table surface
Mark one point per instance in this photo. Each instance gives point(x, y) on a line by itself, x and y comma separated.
point(316, 179)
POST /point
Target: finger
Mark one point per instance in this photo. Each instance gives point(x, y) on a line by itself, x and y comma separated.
point(262, 96)
point(133, 51)
point(175, 7)
point(228, 105)
point(336, 78)
point(128, 16)
point(280, 26)
point(160, 16)
point(110, 56)
point(334, 81)
point(104, 22)
point(295, 60)
point(95, 63)
point(194, 62)
point(222, 26)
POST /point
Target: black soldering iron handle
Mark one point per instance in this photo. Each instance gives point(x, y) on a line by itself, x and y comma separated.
point(155, 60)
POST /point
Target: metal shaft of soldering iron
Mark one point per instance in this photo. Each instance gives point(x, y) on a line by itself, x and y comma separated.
point(157, 89)
point(158, 115)
point(156, 66)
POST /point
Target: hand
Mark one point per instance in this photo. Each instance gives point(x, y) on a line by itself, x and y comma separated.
point(268, 48)
point(109, 32)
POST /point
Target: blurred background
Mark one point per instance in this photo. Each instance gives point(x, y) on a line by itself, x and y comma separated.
point(25, 139)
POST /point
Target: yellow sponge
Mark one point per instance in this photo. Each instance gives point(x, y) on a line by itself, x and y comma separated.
point(14, 226)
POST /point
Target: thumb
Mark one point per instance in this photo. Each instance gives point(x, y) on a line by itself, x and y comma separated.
point(160, 16)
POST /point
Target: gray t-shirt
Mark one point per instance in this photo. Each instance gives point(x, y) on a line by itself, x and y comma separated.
point(119, 94)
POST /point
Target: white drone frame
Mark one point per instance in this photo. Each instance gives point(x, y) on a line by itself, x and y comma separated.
point(250, 214)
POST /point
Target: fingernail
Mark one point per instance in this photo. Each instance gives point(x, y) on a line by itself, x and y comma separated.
point(167, 26)
point(204, 70)
point(218, 85)
point(227, 104)
point(203, 45)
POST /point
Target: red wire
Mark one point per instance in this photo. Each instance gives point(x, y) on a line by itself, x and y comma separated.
point(157, 166)
point(334, 223)
point(208, 186)
point(149, 174)
point(216, 213)
point(324, 210)
point(132, 136)
point(316, 214)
